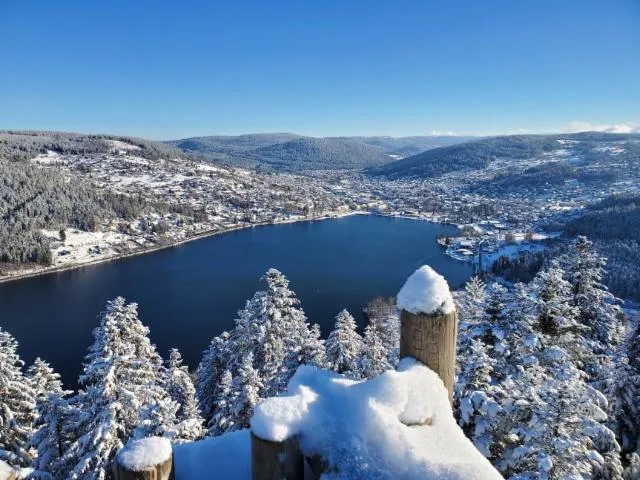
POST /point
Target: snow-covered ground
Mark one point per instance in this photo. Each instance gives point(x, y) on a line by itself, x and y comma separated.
point(398, 425)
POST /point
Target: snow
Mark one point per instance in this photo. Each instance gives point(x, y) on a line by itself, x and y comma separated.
point(6, 471)
point(227, 456)
point(426, 291)
point(361, 428)
point(140, 454)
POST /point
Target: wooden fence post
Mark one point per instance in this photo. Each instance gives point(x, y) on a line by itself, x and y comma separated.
point(431, 339)
point(276, 460)
point(163, 470)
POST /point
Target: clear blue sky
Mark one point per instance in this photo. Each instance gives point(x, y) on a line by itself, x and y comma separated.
point(169, 69)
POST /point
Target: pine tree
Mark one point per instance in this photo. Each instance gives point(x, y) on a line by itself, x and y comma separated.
point(627, 395)
point(51, 439)
point(17, 405)
point(344, 345)
point(632, 471)
point(214, 363)
point(384, 313)
point(222, 419)
point(312, 350)
point(246, 387)
point(179, 387)
point(275, 329)
point(474, 392)
point(374, 358)
point(44, 380)
point(595, 304)
point(120, 379)
point(52, 410)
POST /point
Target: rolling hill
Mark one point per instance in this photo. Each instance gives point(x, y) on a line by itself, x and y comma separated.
point(291, 152)
point(480, 153)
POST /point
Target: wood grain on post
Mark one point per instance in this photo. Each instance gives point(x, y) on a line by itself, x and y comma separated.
point(431, 339)
point(276, 460)
point(162, 471)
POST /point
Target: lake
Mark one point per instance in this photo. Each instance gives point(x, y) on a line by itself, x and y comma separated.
point(190, 293)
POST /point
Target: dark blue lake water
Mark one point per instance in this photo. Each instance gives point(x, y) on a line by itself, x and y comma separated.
point(190, 293)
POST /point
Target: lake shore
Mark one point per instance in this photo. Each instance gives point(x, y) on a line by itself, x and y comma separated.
point(156, 248)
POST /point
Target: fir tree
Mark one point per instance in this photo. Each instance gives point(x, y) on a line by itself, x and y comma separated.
point(275, 329)
point(51, 439)
point(179, 387)
point(120, 379)
point(52, 410)
point(44, 380)
point(344, 345)
point(223, 419)
point(17, 405)
point(595, 304)
point(627, 395)
point(246, 393)
point(374, 359)
point(313, 351)
point(214, 363)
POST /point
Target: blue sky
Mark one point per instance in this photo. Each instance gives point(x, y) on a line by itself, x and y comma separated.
point(169, 69)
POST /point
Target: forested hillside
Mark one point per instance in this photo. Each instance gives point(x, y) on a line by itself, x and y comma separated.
point(290, 152)
point(318, 154)
point(33, 197)
point(25, 145)
point(479, 154)
point(614, 225)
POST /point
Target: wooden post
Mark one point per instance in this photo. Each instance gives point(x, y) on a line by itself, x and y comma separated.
point(431, 339)
point(276, 460)
point(161, 471)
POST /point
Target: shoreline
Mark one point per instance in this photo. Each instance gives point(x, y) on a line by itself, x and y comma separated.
point(154, 249)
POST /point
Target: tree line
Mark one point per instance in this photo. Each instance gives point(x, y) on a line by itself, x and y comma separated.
point(548, 381)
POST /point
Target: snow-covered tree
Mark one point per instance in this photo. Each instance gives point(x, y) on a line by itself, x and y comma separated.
point(627, 395)
point(632, 471)
point(375, 358)
point(313, 350)
point(52, 411)
point(44, 380)
point(246, 387)
point(51, 439)
point(215, 361)
point(344, 345)
point(179, 387)
point(17, 404)
point(120, 379)
point(595, 304)
point(474, 396)
point(385, 314)
point(274, 328)
point(223, 418)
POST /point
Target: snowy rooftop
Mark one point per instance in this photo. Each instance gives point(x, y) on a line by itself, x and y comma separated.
point(426, 291)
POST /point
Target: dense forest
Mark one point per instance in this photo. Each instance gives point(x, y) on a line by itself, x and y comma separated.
point(478, 154)
point(291, 152)
point(34, 198)
point(614, 226)
point(548, 377)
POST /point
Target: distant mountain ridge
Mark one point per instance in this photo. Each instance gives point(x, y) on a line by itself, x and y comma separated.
point(291, 152)
point(477, 154)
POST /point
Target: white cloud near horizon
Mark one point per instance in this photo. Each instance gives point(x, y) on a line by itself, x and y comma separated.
point(574, 127)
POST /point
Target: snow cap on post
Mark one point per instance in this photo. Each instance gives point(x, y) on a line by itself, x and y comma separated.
point(427, 292)
point(149, 457)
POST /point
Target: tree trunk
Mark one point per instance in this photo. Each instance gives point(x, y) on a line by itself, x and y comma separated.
point(431, 339)
point(276, 460)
